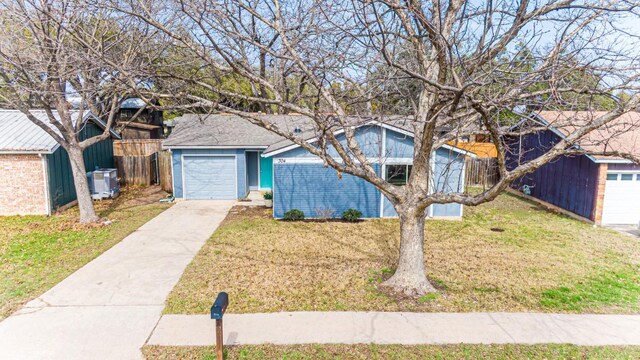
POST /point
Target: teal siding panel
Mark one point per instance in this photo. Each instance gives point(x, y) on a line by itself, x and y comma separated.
point(61, 187)
point(98, 155)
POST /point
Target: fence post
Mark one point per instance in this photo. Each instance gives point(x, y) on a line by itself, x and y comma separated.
point(217, 311)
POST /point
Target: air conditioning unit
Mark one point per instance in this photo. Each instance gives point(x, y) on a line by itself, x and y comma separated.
point(103, 184)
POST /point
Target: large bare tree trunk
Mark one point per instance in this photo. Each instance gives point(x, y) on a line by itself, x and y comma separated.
point(410, 277)
point(85, 203)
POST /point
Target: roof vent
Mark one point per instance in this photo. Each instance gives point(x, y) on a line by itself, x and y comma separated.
point(297, 130)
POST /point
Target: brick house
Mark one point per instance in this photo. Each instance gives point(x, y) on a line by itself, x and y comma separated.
point(35, 174)
point(603, 189)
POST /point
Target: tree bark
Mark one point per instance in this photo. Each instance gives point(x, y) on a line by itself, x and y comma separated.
point(81, 184)
point(410, 277)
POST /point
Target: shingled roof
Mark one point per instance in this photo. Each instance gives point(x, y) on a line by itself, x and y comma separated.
point(224, 130)
point(203, 131)
point(621, 135)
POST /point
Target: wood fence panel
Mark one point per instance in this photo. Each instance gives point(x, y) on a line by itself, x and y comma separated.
point(138, 147)
point(143, 162)
point(164, 171)
point(481, 171)
point(136, 170)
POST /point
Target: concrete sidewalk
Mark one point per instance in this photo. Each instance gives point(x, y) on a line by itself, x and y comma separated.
point(400, 328)
point(108, 308)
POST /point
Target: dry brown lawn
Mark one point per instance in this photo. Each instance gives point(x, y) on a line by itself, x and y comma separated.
point(508, 255)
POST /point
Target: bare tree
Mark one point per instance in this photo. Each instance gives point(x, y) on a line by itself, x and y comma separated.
point(454, 64)
point(61, 55)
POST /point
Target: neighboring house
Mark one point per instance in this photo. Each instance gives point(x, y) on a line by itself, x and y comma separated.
point(225, 157)
point(147, 125)
point(35, 173)
point(605, 190)
point(484, 150)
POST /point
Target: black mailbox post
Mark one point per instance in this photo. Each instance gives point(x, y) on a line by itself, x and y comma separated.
point(217, 311)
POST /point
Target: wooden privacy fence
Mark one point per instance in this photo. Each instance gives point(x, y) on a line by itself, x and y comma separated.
point(136, 147)
point(143, 162)
point(481, 171)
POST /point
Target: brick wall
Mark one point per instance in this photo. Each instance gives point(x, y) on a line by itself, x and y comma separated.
point(602, 181)
point(22, 185)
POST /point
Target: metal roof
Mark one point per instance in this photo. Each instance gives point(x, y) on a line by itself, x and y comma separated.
point(18, 134)
point(133, 103)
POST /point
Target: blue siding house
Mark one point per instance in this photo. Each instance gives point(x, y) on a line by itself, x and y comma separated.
point(601, 189)
point(226, 157)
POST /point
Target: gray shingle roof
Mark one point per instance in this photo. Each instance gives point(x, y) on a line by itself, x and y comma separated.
point(194, 130)
point(226, 130)
point(19, 134)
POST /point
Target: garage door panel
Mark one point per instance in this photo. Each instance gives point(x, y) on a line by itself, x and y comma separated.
point(621, 199)
point(210, 177)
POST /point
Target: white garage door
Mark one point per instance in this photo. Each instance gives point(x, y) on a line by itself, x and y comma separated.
point(209, 177)
point(621, 199)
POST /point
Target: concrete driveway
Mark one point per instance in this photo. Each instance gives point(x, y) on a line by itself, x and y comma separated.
point(108, 308)
point(630, 230)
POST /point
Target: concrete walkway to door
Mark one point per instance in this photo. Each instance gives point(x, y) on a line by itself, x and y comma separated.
point(108, 308)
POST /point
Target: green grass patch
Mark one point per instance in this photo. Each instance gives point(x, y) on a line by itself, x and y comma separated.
point(613, 289)
point(395, 352)
point(37, 252)
point(428, 297)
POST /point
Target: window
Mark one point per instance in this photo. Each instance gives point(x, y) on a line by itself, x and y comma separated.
point(626, 177)
point(127, 113)
point(398, 174)
point(612, 177)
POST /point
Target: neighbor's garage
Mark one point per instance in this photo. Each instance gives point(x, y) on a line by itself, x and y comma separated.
point(621, 198)
point(209, 177)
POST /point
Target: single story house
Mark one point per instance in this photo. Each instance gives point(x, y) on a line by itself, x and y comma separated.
point(35, 173)
point(224, 157)
point(602, 189)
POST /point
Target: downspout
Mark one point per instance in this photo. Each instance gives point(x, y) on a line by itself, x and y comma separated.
point(45, 172)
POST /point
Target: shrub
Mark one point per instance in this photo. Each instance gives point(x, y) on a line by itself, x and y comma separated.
point(323, 213)
point(294, 214)
point(268, 195)
point(351, 215)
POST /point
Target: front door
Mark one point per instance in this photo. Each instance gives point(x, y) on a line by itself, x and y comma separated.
point(253, 170)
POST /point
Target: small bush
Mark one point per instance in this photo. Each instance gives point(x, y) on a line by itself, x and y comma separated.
point(351, 215)
point(268, 195)
point(294, 214)
point(323, 213)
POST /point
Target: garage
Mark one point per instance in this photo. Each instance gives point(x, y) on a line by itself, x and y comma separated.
point(209, 177)
point(621, 198)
